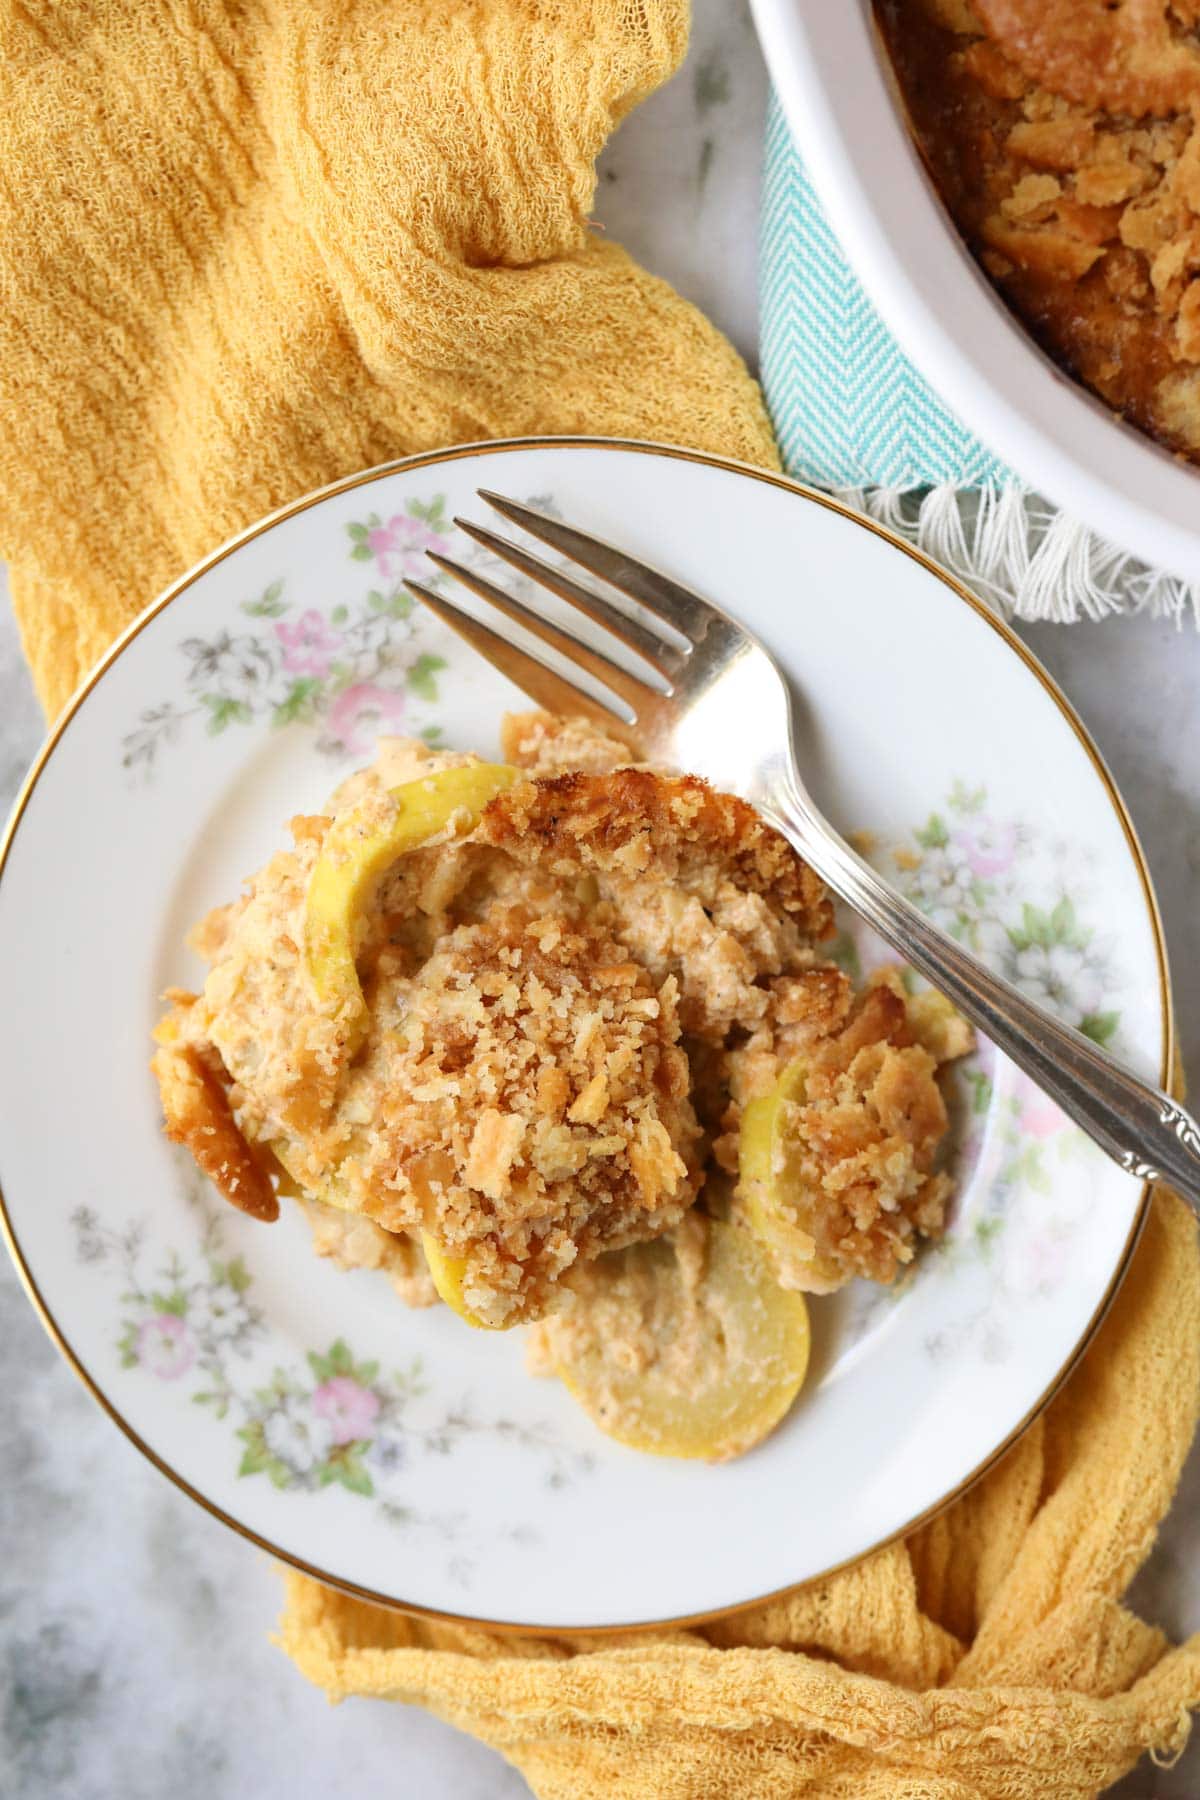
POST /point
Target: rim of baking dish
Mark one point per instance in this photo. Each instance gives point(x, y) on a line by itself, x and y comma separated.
point(835, 83)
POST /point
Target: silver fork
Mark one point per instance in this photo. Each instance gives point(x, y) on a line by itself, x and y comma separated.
point(721, 708)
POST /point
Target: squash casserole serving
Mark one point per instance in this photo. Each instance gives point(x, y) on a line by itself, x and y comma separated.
point(559, 1041)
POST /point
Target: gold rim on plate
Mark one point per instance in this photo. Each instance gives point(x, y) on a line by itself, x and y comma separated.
point(996, 624)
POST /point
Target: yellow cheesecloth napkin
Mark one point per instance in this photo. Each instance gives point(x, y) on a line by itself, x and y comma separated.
point(248, 247)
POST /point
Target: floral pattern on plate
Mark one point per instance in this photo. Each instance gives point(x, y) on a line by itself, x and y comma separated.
point(969, 871)
point(340, 1420)
point(355, 670)
point(189, 1320)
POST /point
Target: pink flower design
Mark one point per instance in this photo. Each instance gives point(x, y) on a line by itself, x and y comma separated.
point(308, 644)
point(356, 708)
point(1040, 1117)
point(1038, 1264)
point(989, 851)
point(348, 1408)
point(399, 546)
point(165, 1347)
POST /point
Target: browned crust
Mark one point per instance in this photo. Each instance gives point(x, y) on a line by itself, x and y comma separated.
point(1128, 58)
point(197, 1114)
point(675, 827)
point(1063, 137)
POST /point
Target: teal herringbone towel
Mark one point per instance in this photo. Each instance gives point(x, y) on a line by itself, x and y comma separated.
point(849, 409)
point(852, 414)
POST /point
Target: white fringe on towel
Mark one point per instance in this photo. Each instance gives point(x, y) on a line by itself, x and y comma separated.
point(1023, 556)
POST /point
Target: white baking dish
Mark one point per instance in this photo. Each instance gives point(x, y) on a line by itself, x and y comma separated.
point(832, 78)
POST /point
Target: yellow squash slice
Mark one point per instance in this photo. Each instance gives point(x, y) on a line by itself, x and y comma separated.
point(685, 1346)
point(292, 1188)
point(771, 1188)
point(356, 852)
point(448, 1273)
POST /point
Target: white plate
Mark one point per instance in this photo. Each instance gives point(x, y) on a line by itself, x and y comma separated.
point(398, 1453)
point(829, 70)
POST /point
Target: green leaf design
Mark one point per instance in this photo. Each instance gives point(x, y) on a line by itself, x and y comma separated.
point(396, 605)
point(345, 1465)
point(431, 513)
point(127, 1345)
point(1046, 929)
point(338, 1361)
point(981, 1090)
point(238, 1276)
point(1062, 919)
point(257, 1458)
point(218, 1402)
point(1037, 926)
point(223, 711)
point(174, 1303)
point(421, 675)
point(1065, 927)
point(269, 605)
point(432, 734)
point(352, 1475)
point(933, 835)
point(986, 1233)
point(361, 552)
point(339, 615)
point(1100, 1027)
point(281, 1386)
point(967, 800)
point(411, 1382)
point(298, 703)
point(357, 532)
point(1029, 1167)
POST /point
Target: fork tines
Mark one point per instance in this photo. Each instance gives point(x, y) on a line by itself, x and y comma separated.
point(665, 649)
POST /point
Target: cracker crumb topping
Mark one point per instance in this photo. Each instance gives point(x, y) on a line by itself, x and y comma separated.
point(568, 1007)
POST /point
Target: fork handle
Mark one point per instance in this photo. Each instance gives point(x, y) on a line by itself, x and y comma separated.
point(1142, 1129)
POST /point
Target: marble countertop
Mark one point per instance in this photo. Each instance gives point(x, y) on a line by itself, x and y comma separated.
point(134, 1625)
